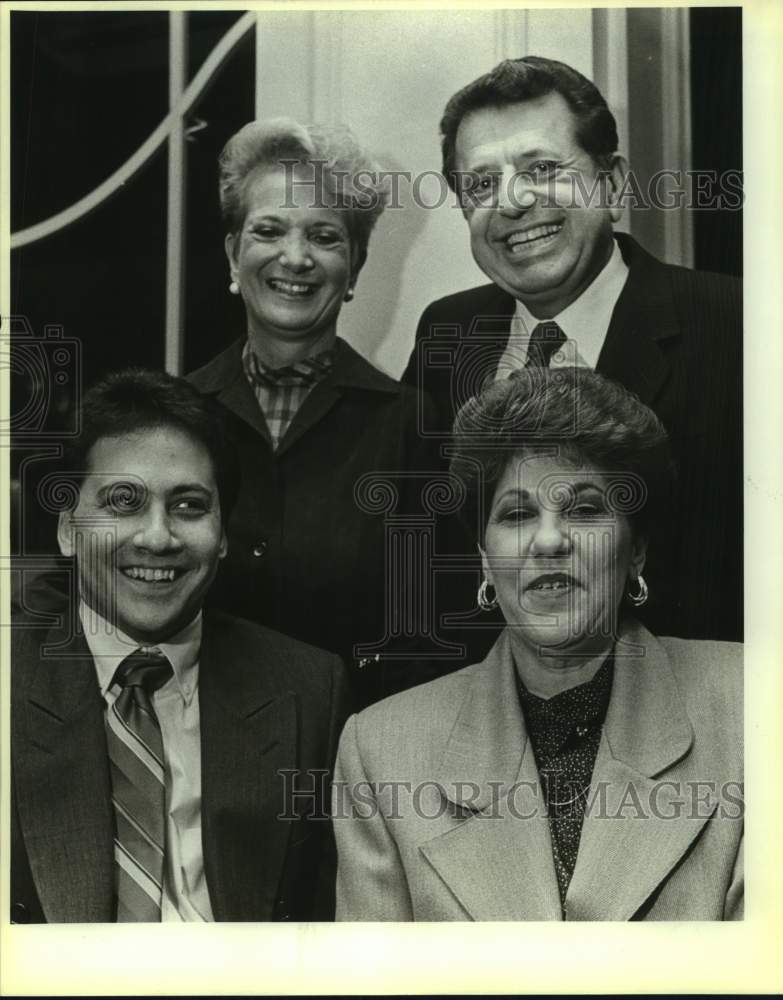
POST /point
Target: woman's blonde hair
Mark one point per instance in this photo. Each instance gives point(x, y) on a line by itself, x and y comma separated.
point(344, 176)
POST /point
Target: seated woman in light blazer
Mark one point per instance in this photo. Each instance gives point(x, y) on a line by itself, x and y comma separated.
point(586, 770)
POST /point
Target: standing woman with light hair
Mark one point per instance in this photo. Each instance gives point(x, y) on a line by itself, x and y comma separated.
point(310, 415)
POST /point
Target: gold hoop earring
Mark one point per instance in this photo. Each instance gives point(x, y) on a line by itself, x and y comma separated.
point(485, 602)
point(644, 592)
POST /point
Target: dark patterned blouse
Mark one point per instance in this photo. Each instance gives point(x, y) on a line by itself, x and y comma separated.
point(565, 731)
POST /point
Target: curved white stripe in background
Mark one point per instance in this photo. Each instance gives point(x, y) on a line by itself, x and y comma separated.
point(120, 176)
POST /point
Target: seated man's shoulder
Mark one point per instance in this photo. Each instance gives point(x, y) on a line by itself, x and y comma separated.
point(30, 632)
point(39, 643)
point(240, 637)
point(26, 643)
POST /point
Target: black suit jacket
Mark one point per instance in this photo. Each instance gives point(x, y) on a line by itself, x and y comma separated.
point(267, 703)
point(307, 546)
point(675, 339)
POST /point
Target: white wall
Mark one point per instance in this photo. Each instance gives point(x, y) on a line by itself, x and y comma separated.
point(388, 75)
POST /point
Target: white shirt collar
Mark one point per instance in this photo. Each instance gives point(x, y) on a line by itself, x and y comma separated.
point(586, 320)
point(109, 647)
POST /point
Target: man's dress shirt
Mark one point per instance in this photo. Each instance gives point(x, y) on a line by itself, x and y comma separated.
point(584, 323)
point(185, 893)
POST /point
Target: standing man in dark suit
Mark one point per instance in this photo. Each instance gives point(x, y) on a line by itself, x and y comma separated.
point(531, 150)
point(168, 764)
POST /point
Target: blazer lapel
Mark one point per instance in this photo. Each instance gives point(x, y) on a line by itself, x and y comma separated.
point(249, 733)
point(224, 378)
point(498, 862)
point(314, 408)
point(350, 371)
point(636, 829)
point(238, 396)
point(62, 782)
point(482, 343)
point(643, 320)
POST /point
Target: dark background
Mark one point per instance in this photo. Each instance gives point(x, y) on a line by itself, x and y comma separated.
point(716, 127)
point(86, 91)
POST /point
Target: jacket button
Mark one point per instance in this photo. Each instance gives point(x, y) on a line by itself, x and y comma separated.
point(259, 550)
point(19, 914)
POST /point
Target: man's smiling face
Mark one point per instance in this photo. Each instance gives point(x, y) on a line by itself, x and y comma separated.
point(146, 532)
point(540, 211)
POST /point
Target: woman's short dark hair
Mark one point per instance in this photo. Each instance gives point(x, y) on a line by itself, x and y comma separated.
point(136, 399)
point(342, 170)
point(515, 80)
point(588, 418)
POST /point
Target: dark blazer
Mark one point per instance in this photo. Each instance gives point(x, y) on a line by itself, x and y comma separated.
point(304, 557)
point(675, 339)
point(266, 703)
point(464, 835)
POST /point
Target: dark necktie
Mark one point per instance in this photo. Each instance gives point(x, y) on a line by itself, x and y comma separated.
point(544, 341)
point(138, 786)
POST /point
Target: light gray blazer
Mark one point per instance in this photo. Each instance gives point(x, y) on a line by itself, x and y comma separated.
point(438, 812)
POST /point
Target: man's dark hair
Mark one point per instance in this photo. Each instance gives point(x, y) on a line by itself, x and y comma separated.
point(136, 399)
point(515, 80)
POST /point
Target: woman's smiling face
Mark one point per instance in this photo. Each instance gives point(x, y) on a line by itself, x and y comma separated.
point(291, 257)
point(558, 556)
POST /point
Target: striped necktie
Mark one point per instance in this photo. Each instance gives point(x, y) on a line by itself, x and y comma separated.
point(138, 789)
point(544, 341)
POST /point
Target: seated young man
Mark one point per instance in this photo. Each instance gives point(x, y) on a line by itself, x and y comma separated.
point(168, 763)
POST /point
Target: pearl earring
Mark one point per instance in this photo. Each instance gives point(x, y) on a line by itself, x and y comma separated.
point(348, 295)
point(234, 288)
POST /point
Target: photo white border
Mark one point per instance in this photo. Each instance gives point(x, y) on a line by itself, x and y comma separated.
point(356, 959)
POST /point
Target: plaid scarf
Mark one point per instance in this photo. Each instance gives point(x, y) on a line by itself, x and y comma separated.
point(281, 391)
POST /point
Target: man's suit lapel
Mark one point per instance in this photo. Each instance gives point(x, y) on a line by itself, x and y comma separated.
point(62, 782)
point(498, 862)
point(644, 318)
point(249, 730)
point(631, 838)
point(483, 340)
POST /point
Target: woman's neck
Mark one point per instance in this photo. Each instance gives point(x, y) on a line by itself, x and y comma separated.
point(546, 675)
point(277, 352)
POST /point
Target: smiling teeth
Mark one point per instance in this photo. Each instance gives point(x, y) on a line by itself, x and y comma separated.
point(552, 586)
point(520, 239)
point(149, 575)
point(290, 287)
